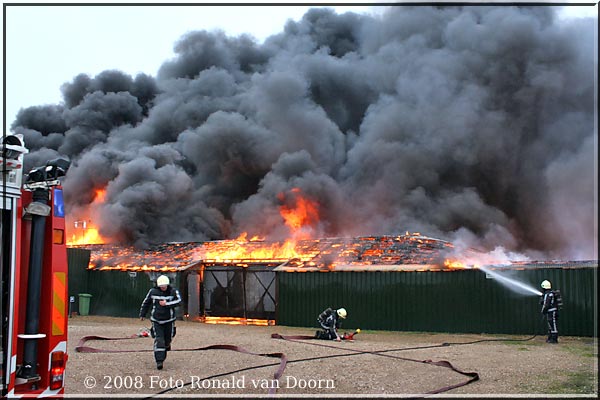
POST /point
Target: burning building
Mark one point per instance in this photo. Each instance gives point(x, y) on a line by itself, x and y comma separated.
point(394, 282)
point(404, 282)
point(236, 277)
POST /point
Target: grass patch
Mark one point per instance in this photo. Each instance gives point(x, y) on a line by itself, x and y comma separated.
point(579, 382)
point(580, 350)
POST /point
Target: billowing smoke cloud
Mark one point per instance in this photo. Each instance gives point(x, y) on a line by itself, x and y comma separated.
point(471, 124)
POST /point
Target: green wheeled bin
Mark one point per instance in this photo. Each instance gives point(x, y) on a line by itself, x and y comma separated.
point(84, 303)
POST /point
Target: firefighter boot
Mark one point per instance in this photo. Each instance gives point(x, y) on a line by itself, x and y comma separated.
point(322, 335)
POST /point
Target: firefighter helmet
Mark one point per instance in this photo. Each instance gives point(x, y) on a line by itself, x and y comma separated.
point(162, 280)
point(546, 285)
point(341, 312)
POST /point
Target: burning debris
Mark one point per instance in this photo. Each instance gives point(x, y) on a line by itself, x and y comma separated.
point(411, 250)
point(168, 257)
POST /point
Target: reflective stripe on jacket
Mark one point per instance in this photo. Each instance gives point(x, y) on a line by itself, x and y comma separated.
point(158, 313)
point(548, 302)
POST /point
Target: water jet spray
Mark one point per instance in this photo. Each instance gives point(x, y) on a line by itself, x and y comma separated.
point(512, 284)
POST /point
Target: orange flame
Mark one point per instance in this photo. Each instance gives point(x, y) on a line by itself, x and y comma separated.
point(237, 321)
point(454, 264)
point(84, 231)
point(87, 235)
point(99, 195)
point(303, 212)
point(299, 213)
point(240, 249)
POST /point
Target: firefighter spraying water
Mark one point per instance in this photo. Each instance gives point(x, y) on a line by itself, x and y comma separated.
point(33, 265)
point(551, 301)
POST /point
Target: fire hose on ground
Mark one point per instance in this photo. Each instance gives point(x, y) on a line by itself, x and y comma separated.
point(80, 348)
point(473, 376)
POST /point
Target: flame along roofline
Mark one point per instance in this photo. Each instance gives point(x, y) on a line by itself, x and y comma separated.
point(406, 252)
point(279, 266)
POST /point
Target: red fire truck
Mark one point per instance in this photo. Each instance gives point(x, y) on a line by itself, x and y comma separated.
point(33, 268)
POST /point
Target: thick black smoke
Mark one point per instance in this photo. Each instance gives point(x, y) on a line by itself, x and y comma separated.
point(472, 124)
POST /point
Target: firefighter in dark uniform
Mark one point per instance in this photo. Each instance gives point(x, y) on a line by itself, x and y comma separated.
point(163, 299)
point(330, 321)
point(550, 310)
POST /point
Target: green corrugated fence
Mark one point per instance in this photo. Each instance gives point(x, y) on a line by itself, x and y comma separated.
point(78, 260)
point(120, 293)
point(114, 293)
point(464, 301)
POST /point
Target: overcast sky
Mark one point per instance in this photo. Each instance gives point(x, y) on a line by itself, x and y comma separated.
point(47, 46)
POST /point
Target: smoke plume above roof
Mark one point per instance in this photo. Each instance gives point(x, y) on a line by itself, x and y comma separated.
point(472, 123)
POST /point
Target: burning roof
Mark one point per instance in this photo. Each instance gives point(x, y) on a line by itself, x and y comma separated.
point(408, 252)
point(379, 252)
point(168, 257)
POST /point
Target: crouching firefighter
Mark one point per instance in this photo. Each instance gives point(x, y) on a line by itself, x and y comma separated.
point(330, 321)
point(550, 302)
point(163, 298)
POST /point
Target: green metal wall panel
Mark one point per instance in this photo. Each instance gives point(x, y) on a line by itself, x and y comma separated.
point(114, 293)
point(464, 301)
point(78, 261)
point(120, 293)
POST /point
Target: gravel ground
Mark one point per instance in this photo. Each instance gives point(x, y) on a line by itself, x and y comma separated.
point(505, 368)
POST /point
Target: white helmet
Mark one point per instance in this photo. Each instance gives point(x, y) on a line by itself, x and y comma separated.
point(162, 280)
point(546, 285)
point(341, 312)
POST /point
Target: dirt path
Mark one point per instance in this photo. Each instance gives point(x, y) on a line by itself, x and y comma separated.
point(504, 367)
